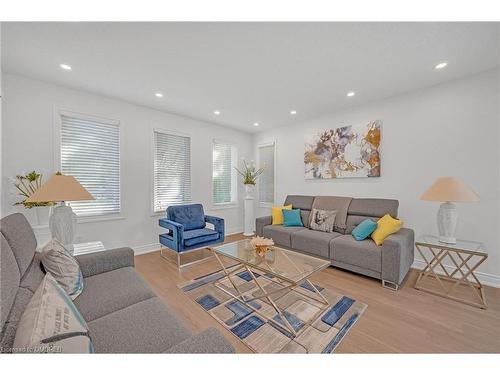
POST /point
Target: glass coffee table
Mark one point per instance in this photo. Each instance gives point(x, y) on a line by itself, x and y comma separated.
point(287, 269)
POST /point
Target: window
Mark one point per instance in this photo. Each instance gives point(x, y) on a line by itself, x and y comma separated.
point(224, 176)
point(266, 179)
point(90, 152)
point(172, 170)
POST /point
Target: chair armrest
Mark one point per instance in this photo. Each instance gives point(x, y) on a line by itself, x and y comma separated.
point(105, 261)
point(218, 224)
point(398, 255)
point(208, 341)
point(176, 228)
point(261, 222)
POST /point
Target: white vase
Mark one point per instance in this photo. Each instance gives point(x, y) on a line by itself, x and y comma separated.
point(249, 190)
point(42, 215)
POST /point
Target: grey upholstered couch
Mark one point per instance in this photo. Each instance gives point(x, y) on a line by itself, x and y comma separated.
point(389, 262)
point(122, 312)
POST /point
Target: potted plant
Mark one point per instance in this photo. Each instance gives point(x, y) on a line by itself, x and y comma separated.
point(26, 185)
point(250, 174)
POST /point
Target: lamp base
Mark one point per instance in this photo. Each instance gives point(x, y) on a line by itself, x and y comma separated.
point(447, 219)
point(62, 224)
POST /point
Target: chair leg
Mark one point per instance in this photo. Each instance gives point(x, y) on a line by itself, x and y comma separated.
point(178, 263)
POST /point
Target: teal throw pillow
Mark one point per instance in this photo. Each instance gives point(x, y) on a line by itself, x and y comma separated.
point(364, 229)
point(291, 218)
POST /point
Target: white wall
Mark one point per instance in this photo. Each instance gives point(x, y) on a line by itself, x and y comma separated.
point(29, 109)
point(447, 130)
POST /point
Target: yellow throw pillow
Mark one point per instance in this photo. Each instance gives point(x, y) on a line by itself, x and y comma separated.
point(385, 227)
point(278, 214)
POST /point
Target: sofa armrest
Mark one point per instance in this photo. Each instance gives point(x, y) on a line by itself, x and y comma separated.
point(261, 222)
point(208, 341)
point(218, 224)
point(398, 255)
point(105, 261)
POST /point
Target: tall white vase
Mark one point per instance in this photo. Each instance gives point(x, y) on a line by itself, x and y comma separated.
point(249, 216)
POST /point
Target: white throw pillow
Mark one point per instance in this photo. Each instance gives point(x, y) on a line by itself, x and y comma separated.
point(64, 267)
point(51, 323)
point(322, 220)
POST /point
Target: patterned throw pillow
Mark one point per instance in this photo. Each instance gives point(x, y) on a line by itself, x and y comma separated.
point(64, 267)
point(322, 220)
point(51, 323)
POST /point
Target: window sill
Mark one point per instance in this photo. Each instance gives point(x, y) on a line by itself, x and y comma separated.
point(96, 219)
point(225, 206)
point(159, 213)
point(266, 205)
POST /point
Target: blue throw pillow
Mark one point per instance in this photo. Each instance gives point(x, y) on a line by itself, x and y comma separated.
point(364, 229)
point(291, 218)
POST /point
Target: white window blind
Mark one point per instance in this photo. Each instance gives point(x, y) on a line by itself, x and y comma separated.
point(172, 170)
point(266, 179)
point(90, 152)
point(223, 173)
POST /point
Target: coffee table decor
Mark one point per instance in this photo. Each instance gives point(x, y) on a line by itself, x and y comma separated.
point(269, 303)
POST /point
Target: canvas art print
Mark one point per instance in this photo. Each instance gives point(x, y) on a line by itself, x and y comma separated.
point(349, 151)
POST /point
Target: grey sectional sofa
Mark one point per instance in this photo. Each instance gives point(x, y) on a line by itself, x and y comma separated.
point(389, 262)
point(122, 312)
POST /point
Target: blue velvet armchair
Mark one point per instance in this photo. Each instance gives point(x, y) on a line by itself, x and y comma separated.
point(187, 230)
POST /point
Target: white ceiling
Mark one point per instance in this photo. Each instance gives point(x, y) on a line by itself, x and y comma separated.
point(251, 72)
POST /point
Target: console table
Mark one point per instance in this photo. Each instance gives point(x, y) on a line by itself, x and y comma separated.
point(462, 259)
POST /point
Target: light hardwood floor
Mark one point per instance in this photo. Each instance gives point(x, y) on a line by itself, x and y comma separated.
point(406, 321)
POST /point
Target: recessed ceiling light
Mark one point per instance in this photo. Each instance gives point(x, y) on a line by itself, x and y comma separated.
point(441, 65)
point(351, 93)
point(65, 66)
point(159, 95)
point(255, 124)
point(216, 112)
point(293, 112)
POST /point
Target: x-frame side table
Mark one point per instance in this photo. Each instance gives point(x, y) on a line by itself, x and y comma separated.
point(465, 257)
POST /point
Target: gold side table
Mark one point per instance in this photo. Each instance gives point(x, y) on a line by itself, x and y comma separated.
point(451, 266)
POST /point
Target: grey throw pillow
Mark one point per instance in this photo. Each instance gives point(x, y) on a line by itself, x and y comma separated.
point(64, 267)
point(51, 323)
point(322, 220)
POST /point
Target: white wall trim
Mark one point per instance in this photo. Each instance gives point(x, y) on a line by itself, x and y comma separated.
point(152, 247)
point(485, 278)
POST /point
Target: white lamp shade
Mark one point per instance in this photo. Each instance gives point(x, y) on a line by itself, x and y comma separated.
point(449, 189)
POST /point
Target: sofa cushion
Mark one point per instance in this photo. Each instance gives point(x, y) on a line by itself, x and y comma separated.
point(322, 220)
point(57, 260)
point(365, 254)
point(51, 323)
point(313, 242)
point(198, 236)
point(9, 278)
point(144, 327)
point(280, 234)
point(304, 202)
point(191, 216)
point(292, 218)
point(373, 207)
point(111, 291)
point(8, 332)
point(21, 239)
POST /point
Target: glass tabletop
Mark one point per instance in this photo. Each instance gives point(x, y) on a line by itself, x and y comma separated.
point(285, 264)
point(465, 245)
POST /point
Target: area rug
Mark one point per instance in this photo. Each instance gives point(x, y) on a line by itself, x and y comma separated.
point(261, 330)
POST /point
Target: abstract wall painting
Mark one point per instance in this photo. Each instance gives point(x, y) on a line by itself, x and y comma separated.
point(349, 151)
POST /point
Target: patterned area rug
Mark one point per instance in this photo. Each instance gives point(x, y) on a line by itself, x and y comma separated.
point(262, 330)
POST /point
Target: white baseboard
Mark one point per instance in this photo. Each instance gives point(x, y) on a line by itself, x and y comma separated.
point(484, 278)
point(149, 248)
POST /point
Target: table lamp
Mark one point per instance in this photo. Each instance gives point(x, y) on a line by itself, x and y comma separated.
point(62, 220)
point(448, 190)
